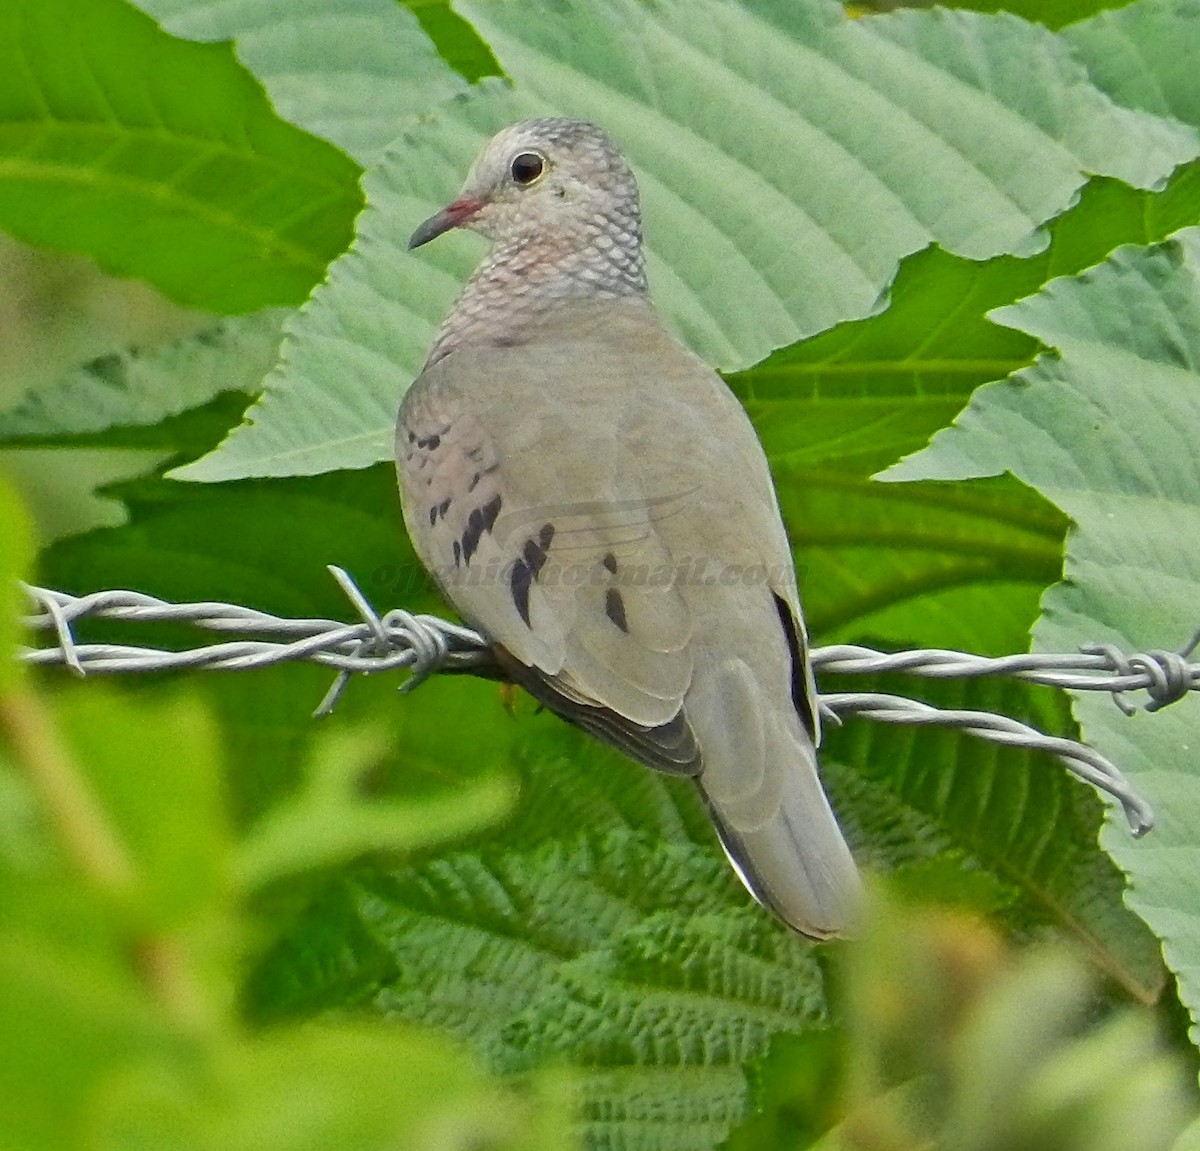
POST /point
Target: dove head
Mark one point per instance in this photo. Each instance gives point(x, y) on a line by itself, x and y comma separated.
point(560, 204)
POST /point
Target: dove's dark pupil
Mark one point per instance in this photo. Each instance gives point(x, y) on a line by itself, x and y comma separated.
point(527, 167)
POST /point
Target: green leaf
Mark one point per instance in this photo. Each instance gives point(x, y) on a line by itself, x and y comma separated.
point(139, 388)
point(913, 793)
point(328, 821)
point(1052, 13)
point(71, 1018)
point(1116, 46)
point(1190, 1139)
point(161, 159)
point(1104, 425)
point(16, 562)
point(953, 1041)
point(154, 767)
point(947, 566)
point(354, 72)
point(856, 143)
point(457, 42)
point(263, 543)
point(883, 384)
point(62, 486)
point(131, 844)
point(610, 954)
point(340, 1087)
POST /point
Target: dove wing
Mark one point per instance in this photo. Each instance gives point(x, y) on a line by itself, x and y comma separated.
point(526, 500)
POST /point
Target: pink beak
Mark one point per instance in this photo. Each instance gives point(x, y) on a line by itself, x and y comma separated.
point(449, 217)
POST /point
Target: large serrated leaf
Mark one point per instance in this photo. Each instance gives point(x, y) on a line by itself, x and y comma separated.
point(611, 953)
point(354, 72)
point(855, 143)
point(1104, 425)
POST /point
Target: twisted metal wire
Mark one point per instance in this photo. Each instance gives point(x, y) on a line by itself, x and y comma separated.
point(426, 644)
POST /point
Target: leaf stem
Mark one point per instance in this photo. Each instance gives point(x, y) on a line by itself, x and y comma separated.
point(94, 846)
point(83, 830)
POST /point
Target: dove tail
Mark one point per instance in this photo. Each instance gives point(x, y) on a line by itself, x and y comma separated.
point(796, 864)
point(760, 784)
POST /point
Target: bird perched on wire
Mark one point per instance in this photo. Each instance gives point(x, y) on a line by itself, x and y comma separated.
point(592, 498)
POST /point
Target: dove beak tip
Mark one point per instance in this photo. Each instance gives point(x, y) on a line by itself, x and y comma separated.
point(452, 216)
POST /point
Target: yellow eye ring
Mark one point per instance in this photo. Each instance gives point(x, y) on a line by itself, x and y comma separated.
point(527, 168)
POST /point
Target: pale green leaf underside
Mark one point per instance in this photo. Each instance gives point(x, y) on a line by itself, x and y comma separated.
point(63, 487)
point(354, 72)
point(854, 143)
point(1141, 55)
point(1104, 426)
point(137, 388)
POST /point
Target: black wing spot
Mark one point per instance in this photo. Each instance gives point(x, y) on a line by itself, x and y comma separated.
point(526, 569)
point(457, 554)
point(433, 514)
point(483, 471)
point(610, 562)
point(490, 511)
point(479, 521)
point(534, 558)
point(800, 700)
point(522, 578)
point(535, 553)
point(614, 608)
point(472, 534)
point(430, 442)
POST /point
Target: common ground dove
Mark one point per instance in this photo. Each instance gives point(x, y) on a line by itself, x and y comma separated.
point(593, 499)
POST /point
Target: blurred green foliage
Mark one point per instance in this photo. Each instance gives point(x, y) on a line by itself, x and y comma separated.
point(126, 903)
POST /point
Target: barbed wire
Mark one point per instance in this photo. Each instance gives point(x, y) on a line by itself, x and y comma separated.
point(425, 644)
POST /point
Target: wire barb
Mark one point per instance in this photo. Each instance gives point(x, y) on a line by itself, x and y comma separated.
point(425, 644)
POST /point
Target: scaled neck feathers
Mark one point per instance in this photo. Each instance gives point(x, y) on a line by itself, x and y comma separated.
point(526, 277)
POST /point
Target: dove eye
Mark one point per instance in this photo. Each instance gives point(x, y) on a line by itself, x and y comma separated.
point(527, 167)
